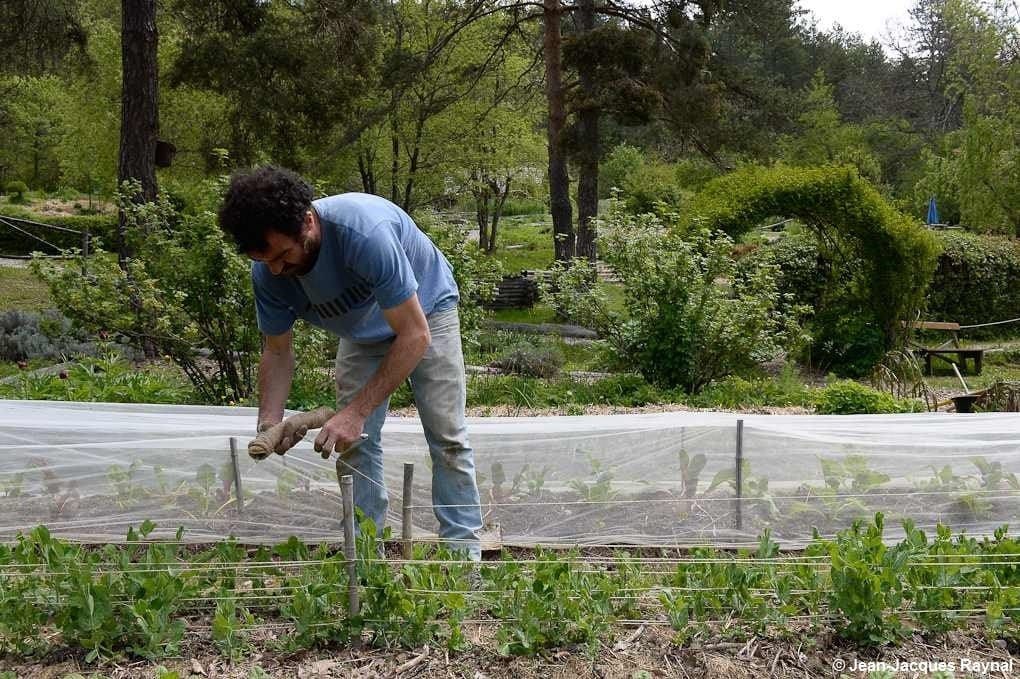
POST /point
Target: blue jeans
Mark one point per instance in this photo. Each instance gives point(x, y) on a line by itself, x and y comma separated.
point(438, 385)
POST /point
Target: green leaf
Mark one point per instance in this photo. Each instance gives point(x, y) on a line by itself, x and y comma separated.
point(723, 476)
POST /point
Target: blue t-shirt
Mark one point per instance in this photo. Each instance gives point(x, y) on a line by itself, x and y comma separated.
point(372, 257)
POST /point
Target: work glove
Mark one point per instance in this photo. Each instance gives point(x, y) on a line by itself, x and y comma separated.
point(291, 435)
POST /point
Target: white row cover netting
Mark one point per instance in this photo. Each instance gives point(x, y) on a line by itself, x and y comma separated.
point(89, 471)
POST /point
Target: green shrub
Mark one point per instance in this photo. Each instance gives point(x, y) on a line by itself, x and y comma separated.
point(16, 190)
point(185, 289)
point(846, 337)
point(525, 358)
point(516, 391)
point(313, 385)
point(738, 393)
point(846, 397)
point(649, 185)
point(102, 229)
point(65, 193)
point(802, 271)
point(691, 319)
point(883, 259)
point(629, 390)
point(642, 183)
point(25, 335)
point(524, 206)
point(694, 173)
point(975, 281)
point(108, 380)
point(623, 161)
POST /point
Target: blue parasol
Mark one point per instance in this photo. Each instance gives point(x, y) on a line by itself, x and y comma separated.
point(933, 212)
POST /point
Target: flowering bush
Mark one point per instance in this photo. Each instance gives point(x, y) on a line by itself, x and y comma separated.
point(690, 317)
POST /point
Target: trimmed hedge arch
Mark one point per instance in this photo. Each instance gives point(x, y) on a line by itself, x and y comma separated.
point(885, 258)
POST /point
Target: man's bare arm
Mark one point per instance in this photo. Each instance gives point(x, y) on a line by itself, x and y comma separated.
point(413, 338)
point(276, 371)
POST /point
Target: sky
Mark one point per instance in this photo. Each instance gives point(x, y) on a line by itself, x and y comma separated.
point(867, 17)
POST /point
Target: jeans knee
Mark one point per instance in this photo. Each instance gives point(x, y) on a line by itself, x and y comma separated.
point(454, 455)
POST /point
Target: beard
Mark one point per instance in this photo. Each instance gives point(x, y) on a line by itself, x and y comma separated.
point(310, 246)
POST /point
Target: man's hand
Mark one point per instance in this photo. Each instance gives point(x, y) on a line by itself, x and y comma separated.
point(339, 433)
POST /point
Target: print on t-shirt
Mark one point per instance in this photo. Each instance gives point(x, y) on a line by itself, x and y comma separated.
point(351, 298)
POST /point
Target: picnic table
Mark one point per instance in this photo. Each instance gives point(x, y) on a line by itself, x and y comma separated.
point(944, 352)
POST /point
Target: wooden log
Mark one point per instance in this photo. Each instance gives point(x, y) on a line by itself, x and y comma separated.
point(931, 325)
point(514, 292)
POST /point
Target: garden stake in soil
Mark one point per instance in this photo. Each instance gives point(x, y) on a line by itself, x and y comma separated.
point(740, 473)
point(237, 476)
point(350, 549)
point(406, 529)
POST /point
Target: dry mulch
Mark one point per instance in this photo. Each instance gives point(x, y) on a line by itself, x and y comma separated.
point(636, 653)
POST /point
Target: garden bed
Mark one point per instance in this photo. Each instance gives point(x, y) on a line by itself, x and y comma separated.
point(650, 517)
point(155, 609)
point(90, 470)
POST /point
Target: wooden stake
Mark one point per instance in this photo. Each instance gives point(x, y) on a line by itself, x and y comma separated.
point(407, 530)
point(740, 472)
point(350, 549)
point(237, 476)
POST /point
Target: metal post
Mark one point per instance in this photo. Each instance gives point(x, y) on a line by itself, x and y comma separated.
point(406, 528)
point(350, 549)
point(238, 491)
point(740, 472)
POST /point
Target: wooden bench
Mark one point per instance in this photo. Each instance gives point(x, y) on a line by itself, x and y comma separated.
point(942, 351)
point(961, 357)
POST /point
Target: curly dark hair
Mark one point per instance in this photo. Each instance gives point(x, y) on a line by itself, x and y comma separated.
point(262, 199)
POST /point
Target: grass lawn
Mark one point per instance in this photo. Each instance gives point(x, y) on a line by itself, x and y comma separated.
point(22, 290)
point(524, 244)
point(539, 313)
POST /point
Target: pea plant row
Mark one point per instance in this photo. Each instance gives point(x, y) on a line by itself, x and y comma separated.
point(145, 598)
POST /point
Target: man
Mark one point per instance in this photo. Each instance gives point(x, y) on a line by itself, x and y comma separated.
point(357, 266)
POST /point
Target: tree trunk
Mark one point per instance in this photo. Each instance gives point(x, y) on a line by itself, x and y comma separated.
point(497, 211)
point(367, 171)
point(395, 163)
point(139, 119)
point(482, 218)
point(559, 182)
point(588, 156)
point(412, 167)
